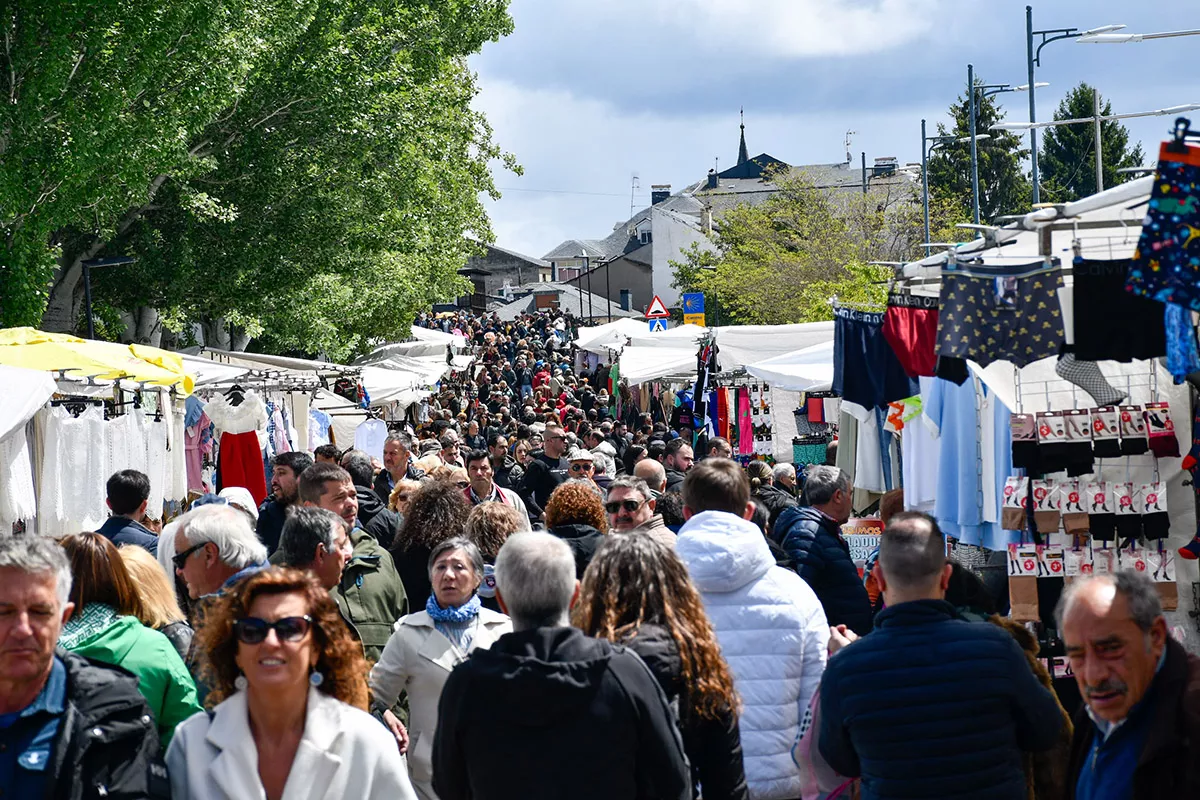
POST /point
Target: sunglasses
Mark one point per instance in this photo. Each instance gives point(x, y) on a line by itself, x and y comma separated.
point(581, 467)
point(629, 505)
point(401, 498)
point(179, 559)
point(252, 630)
point(462, 484)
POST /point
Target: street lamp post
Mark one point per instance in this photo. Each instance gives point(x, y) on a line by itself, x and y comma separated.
point(587, 264)
point(608, 286)
point(1095, 119)
point(974, 151)
point(938, 141)
point(88, 265)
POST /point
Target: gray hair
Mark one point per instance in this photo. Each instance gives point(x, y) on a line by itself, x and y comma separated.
point(38, 555)
point(630, 482)
point(304, 529)
point(457, 543)
point(358, 464)
point(1137, 588)
point(912, 550)
point(821, 482)
point(228, 529)
point(403, 438)
point(535, 575)
point(782, 471)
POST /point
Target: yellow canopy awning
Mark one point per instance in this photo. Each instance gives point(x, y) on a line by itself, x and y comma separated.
point(51, 352)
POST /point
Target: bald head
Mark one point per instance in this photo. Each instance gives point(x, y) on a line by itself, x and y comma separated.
point(912, 559)
point(652, 472)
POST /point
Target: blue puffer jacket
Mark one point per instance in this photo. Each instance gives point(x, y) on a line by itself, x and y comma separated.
point(822, 558)
point(930, 705)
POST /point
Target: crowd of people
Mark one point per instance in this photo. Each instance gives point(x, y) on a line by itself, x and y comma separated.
point(532, 598)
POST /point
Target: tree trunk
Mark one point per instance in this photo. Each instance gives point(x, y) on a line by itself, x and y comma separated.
point(143, 325)
point(66, 292)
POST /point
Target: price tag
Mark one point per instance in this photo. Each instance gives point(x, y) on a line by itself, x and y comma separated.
point(1053, 558)
point(1073, 561)
point(1133, 558)
point(1102, 562)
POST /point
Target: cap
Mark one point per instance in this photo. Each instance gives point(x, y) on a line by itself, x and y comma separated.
point(579, 454)
point(240, 497)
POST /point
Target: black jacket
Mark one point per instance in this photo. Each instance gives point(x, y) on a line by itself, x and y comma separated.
point(412, 565)
point(1169, 764)
point(550, 713)
point(384, 484)
point(774, 500)
point(107, 743)
point(822, 557)
point(583, 541)
point(383, 526)
point(713, 746)
point(674, 480)
point(508, 474)
point(271, 516)
point(542, 477)
point(930, 705)
point(369, 504)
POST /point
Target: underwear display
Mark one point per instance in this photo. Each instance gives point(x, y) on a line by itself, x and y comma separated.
point(1166, 264)
point(994, 313)
point(866, 370)
point(1111, 323)
point(910, 326)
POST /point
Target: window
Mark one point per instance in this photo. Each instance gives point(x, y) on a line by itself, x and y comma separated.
point(645, 237)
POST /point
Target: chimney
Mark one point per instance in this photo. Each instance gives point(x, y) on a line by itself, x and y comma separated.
point(706, 219)
point(713, 179)
point(659, 192)
point(626, 300)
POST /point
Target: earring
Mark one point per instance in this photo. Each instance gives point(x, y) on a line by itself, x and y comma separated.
point(315, 678)
point(240, 683)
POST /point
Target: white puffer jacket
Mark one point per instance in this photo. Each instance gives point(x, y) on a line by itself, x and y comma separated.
point(772, 632)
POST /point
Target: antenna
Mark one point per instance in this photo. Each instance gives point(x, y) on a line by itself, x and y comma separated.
point(633, 187)
point(849, 157)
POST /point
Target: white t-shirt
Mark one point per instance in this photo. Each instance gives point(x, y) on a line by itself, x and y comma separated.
point(369, 437)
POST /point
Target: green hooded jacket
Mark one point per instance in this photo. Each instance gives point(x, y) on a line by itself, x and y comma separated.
point(371, 595)
point(163, 679)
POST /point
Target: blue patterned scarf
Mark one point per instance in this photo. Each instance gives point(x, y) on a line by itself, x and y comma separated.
point(464, 613)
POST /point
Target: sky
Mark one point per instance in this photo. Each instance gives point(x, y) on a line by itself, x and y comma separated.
point(589, 93)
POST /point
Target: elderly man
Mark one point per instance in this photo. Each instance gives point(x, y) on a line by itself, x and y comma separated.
point(784, 476)
point(215, 548)
point(1138, 735)
point(928, 687)
point(630, 507)
point(53, 704)
point(652, 472)
point(397, 465)
point(812, 537)
point(581, 465)
point(316, 540)
point(370, 593)
point(284, 495)
point(560, 697)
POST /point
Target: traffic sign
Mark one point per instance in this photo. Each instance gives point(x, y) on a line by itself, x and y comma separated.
point(693, 319)
point(693, 303)
point(658, 324)
point(657, 309)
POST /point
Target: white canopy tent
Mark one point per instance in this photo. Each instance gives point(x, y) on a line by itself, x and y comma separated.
point(806, 370)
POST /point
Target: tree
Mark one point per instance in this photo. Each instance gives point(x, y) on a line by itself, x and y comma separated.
point(1003, 187)
point(305, 171)
point(1068, 155)
point(781, 261)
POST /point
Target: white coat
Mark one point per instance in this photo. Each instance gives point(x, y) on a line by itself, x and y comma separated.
point(773, 634)
point(418, 659)
point(343, 753)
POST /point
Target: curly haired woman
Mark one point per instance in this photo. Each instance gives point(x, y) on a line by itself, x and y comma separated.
point(637, 592)
point(575, 514)
point(289, 686)
point(437, 511)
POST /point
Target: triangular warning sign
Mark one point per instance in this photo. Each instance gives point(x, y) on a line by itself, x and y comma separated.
point(657, 309)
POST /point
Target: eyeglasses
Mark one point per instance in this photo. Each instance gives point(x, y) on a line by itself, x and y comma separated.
point(402, 498)
point(252, 630)
point(582, 467)
point(629, 505)
point(462, 484)
point(555, 438)
point(179, 559)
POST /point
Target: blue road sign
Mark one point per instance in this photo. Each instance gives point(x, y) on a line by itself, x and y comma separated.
point(657, 325)
point(693, 303)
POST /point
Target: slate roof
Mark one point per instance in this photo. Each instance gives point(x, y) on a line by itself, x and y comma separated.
point(531, 259)
point(568, 300)
point(620, 241)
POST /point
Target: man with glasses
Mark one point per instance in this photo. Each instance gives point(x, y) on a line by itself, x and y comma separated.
point(545, 471)
point(582, 465)
point(482, 487)
point(631, 507)
point(215, 547)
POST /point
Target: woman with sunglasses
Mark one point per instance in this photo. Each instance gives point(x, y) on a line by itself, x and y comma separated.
point(427, 645)
point(290, 694)
point(637, 592)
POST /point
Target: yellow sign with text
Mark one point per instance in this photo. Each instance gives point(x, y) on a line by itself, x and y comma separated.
point(693, 319)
